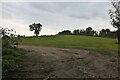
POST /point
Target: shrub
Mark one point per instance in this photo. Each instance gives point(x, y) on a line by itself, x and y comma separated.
point(11, 58)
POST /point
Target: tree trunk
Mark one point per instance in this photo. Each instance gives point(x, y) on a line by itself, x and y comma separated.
point(36, 34)
point(118, 36)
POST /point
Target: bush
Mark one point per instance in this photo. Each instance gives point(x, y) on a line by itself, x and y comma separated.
point(11, 51)
point(11, 58)
point(9, 65)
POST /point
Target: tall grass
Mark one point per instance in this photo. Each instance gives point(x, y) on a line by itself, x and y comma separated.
point(11, 58)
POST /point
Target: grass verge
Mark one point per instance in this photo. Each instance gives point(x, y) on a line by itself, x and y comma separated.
point(11, 58)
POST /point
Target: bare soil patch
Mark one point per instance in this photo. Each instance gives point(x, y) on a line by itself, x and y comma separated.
point(49, 62)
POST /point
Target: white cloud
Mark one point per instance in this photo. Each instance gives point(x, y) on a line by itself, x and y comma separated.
point(55, 16)
point(55, 0)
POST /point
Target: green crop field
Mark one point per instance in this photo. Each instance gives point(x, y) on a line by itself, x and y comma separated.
point(73, 41)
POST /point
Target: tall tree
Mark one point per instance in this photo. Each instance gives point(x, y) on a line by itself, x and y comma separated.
point(108, 30)
point(36, 28)
point(115, 17)
point(103, 33)
point(88, 31)
point(76, 32)
point(82, 32)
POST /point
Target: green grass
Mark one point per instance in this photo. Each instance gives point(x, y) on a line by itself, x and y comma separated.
point(11, 58)
point(73, 41)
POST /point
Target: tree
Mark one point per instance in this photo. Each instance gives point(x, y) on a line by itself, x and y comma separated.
point(94, 33)
point(82, 32)
point(65, 32)
point(113, 34)
point(88, 31)
point(115, 17)
point(76, 32)
point(8, 37)
point(108, 32)
point(102, 33)
point(3, 31)
point(36, 28)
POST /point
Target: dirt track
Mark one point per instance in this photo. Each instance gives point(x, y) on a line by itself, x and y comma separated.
point(48, 62)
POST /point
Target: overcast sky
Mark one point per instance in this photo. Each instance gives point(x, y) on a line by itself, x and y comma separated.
point(55, 16)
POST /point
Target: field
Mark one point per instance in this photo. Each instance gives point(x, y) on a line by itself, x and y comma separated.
point(73, 41)
point(67, 56)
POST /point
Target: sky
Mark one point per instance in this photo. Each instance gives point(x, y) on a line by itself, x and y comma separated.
point(55, 16)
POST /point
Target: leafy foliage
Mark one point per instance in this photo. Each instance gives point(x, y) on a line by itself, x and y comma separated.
point(11, 58)
point(90, 32)
point(115, 16)
point(76, 32)
point(115, 13)
point(65, 32)
point(9, 37)
point(36, 28)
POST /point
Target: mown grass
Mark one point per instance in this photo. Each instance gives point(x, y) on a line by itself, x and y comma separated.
point(73, 41)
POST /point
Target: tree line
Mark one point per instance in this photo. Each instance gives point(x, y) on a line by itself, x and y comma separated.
point(90, 32)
